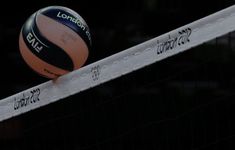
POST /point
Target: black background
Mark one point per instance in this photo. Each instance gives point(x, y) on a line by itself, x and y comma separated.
point(152, 112)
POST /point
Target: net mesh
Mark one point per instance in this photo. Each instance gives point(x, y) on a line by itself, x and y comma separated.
point(183, 102)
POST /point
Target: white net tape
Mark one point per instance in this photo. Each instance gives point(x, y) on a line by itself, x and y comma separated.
point(119, 64)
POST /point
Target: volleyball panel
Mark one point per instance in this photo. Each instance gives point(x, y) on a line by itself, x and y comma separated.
point(64, 37)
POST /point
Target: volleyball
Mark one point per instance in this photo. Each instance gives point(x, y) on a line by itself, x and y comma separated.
point(54, 40)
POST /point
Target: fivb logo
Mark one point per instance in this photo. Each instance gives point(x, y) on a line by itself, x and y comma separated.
point(34, 42)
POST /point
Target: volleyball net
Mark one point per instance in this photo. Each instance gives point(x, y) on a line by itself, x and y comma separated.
point(120, 64)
